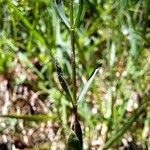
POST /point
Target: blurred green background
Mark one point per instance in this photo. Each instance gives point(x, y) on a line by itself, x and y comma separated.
point(113, 36)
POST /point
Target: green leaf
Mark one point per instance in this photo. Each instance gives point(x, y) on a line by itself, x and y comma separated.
point(26, 22)
point(63, 82)
point(29, 117)
point(80, 9)
point(87, 86)
point(126, 126)
point(59, 8)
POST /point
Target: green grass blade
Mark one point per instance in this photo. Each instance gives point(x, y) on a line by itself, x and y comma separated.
point(59, 9)
point(80, 9)
point(29, 117)
point(26, 22)
point(125, 127)
point(87, 86)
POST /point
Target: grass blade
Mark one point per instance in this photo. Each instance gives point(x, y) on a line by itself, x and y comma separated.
point(127, 126)
point(87, 85)
point(59, 8)
point(77, 21)
point(28, 117)
point(26, 22)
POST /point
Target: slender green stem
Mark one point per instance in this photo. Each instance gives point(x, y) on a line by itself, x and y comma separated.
point(76, 124)
point(73, 54)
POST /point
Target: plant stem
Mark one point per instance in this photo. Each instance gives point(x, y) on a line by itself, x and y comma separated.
point(73, 54)
point(73, 68)
point(76, 124)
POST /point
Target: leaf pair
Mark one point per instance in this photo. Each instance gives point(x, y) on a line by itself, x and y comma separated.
point(59, 8)
point(65, 86)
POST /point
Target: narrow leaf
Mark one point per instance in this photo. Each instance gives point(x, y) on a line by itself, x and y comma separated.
point(87, 86)
point(28, 117)
point(63, 82)
point(80, 9)
point(59, 8)
point(26, 22)
point(125, 127)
